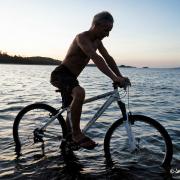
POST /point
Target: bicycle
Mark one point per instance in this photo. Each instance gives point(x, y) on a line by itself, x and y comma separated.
point(131, 139)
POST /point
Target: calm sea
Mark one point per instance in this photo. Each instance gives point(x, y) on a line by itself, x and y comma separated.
point(154, 92)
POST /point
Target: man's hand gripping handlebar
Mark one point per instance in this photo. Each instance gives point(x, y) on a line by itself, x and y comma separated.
point(123, 83)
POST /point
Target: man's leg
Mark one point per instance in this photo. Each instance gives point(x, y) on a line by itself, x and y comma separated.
point(78, 94)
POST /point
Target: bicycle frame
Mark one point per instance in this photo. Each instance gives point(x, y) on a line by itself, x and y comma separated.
point(113, 96)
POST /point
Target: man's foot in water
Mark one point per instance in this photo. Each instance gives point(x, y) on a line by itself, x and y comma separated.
point(84, 142)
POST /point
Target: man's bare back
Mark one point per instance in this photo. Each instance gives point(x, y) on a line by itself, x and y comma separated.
point(76, 59)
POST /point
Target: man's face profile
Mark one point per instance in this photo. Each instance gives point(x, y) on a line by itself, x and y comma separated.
point(104, 29)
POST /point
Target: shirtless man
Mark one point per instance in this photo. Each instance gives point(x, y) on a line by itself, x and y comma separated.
point(82, 49)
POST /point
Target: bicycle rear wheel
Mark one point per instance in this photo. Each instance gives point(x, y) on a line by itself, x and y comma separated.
point(154, 146)
point(26, 129)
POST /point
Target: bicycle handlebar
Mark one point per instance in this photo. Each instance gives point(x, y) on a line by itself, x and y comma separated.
point(126, 84)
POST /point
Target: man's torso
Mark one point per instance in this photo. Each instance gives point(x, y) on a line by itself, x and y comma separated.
point(76, 59)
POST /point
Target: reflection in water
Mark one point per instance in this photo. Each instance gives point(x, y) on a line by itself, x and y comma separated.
point(67, 165)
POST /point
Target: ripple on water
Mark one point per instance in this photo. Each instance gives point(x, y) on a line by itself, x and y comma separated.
point(154, 93)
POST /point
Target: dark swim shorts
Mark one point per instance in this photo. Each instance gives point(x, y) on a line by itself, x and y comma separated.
point(65, 81)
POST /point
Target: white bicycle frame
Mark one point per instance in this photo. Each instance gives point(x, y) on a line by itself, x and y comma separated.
point(113, 96)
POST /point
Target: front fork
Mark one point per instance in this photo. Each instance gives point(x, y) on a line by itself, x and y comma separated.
point(130, 134)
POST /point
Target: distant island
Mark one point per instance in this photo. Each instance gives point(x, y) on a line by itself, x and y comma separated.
point(121, 66)
point(36, 60)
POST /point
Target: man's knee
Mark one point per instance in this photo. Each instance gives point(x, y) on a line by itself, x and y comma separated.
point(78, 93)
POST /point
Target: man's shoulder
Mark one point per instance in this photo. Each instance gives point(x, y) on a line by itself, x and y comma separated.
point(82, 35)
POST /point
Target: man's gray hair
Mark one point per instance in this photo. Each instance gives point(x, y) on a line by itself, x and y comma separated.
point(102, 17)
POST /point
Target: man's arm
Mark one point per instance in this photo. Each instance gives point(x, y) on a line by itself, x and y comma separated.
point(86, 45)
point(110, 61)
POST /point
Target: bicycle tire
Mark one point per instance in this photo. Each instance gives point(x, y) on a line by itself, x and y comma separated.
point(157, 149)
point(23, 127)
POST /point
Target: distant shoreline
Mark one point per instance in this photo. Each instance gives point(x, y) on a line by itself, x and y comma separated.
point(37, 60)
point(44, 64)
point(121, 66)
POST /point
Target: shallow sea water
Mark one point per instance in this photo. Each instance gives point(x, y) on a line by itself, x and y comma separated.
point(154, 92)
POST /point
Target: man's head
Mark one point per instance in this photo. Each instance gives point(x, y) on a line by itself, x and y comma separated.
point(102, 24)
point(102, 17)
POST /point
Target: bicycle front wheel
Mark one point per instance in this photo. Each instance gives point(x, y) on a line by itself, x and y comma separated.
point(154, 146)
point(27, 132)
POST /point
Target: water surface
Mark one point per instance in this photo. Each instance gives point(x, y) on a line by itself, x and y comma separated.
point(154, 92)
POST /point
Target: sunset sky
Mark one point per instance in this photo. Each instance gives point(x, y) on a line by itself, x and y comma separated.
point(145, 33)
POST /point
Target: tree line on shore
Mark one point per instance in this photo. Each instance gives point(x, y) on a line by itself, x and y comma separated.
point(35, 60)
point(7, 59)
